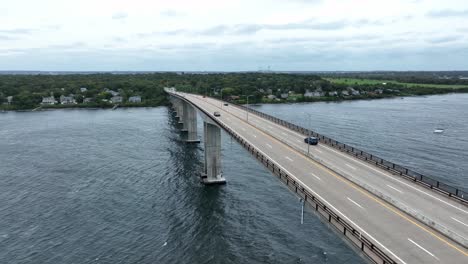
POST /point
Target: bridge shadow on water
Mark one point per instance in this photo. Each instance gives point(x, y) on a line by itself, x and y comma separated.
point(251, 219)
point(196, 233)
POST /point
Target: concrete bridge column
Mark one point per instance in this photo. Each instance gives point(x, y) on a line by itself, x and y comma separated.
point(190, 122)
point(180, 110)
point(176, 105)
point(184, 117)
point(212, 172)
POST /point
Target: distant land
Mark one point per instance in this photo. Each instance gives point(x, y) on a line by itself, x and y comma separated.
point(26, 90)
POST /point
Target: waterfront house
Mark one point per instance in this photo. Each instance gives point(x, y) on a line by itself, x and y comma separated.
point(83, 89)
point(344, 93)
point(67, 100)
point(87, 100)
point(50, 100)
point(114, 93)
point(134, 99)
point(378, 91)
point(316, 93)
point(352, 91)
point(284, 95)
point(116, 99)
point(271, 97)
point(333, 93)
point(9, 99)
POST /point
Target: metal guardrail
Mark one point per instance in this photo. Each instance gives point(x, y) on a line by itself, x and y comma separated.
point(426, 181)
point(365, 245)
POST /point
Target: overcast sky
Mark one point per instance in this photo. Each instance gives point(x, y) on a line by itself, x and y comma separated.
point(236, 35)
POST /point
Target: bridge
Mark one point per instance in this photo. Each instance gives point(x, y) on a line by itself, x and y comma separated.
point(386, 212)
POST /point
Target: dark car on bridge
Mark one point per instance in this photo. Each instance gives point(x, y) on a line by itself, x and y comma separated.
point(311, 140)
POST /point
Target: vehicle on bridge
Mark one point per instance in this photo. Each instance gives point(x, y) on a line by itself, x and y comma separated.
point(226, 104)
point(311, 140)
point(216, 114)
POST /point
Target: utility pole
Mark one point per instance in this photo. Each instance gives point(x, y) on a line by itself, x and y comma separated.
point(247, 107)
point(308, 139)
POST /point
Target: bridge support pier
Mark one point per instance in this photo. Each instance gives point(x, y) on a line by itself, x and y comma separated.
point(190, 123)
point(180, 110)
point(212, 172)
point(174, 105)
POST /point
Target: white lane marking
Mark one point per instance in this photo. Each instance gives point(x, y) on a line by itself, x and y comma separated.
point(269, 145)
point(316, 176)
point(318, 150)
point(425, 250)
point(270, 127)
point(459, 221)
point(374, 169)
point(393, 178)
point(284, 133)
point(394, 188)
point(243, 129)
point(325, 201)
point(299, 140)
point(350, 166)
point(288, 158)
point(351, 200)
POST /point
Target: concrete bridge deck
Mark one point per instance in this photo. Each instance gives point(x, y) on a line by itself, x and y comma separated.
point(405, 220)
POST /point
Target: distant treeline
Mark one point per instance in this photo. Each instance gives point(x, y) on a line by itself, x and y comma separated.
point(27, 91)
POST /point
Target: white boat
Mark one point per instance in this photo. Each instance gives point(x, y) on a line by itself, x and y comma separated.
point(439, 131)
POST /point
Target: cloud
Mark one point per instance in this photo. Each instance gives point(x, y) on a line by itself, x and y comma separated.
point(4, 37)
point(18, 31)
point(445, 39)
point(448, 13)
point(249, 29)
point(119, 16)
point(171, 13)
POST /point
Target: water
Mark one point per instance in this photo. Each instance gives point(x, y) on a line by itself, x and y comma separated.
point(400, 130)
point(86, 186)
point(101, 186)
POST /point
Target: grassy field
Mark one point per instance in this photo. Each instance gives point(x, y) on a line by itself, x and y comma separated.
point(351, 81)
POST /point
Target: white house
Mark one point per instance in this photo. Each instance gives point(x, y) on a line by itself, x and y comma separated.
point(50, 100)
point(67, 100)
point(315, 93)
point(83, 89)
point(284, 95)
point(134, 99)
point(271, 97)
point(333, 93)
point(344, 93)
point(116, 99)
point(114, 93)
point(9, 99)
point(87, 100)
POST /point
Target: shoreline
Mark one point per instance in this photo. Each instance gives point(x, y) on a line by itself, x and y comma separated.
point(325, 100)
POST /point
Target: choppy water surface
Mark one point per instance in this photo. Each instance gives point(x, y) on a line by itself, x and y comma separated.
point(102, 186)
point(399, 130)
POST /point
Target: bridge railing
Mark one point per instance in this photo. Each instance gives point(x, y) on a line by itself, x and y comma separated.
point(372, 251)
point(424, 180)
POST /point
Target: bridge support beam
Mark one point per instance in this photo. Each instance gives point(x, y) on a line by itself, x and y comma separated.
point(212, 173)
point(184, 115)
point(190, 123)
point(180, 111)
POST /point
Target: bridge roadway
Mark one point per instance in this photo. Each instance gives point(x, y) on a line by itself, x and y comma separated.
point(400, 235)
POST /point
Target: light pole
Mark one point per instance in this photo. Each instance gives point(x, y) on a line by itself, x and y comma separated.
point(308, 139)
point(247, 107)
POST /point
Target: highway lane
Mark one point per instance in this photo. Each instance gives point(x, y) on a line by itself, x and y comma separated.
point(451, 217)
point(401, 236)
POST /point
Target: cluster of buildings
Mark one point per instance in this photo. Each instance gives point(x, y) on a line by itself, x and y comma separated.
point(70, 99)
point(349, 91)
